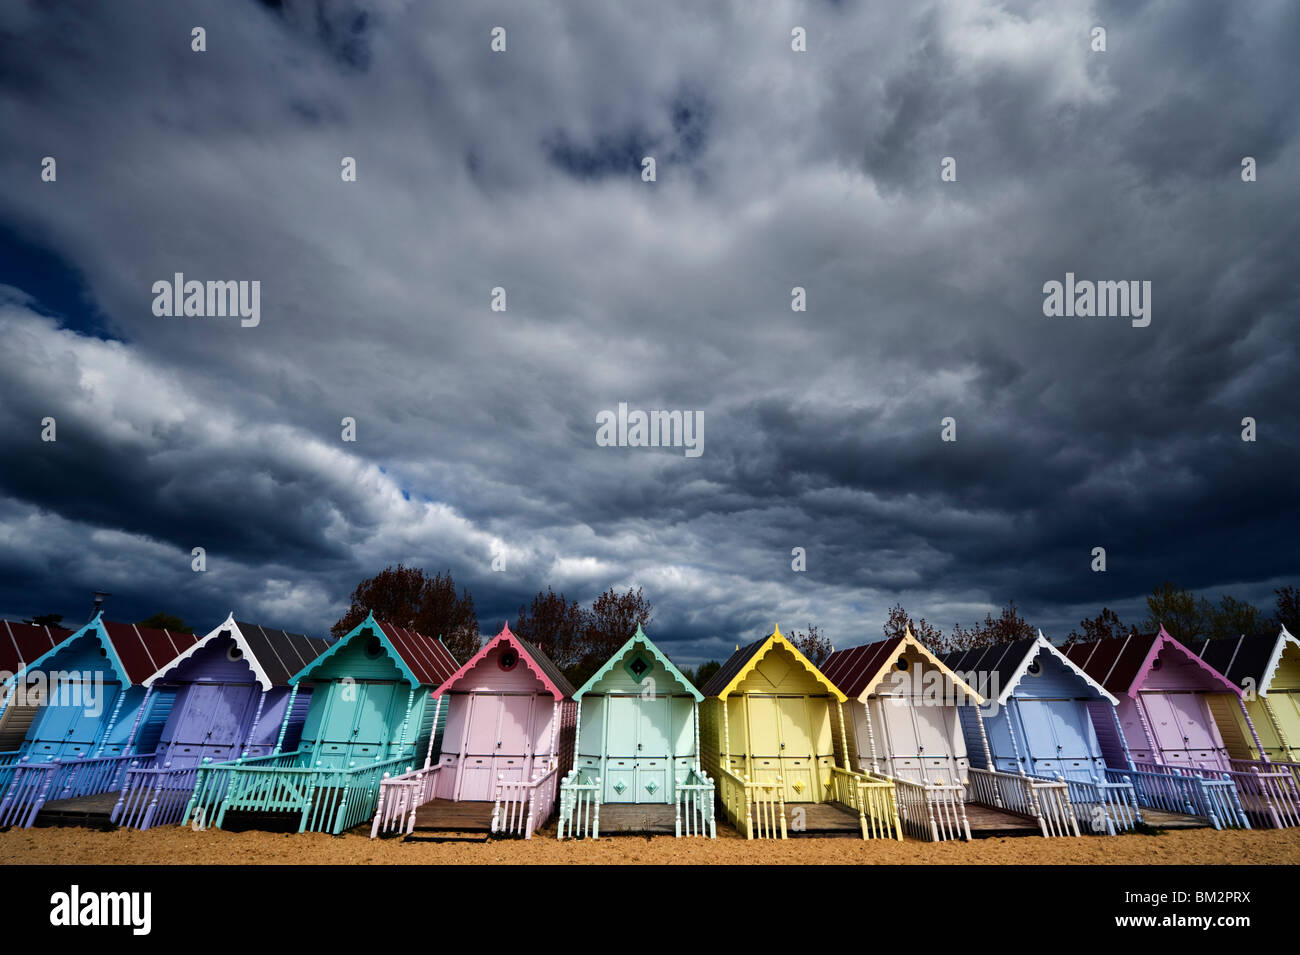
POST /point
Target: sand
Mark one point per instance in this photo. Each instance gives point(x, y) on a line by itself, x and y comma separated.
point(177, 846)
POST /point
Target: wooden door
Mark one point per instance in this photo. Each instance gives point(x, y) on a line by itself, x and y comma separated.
point(1286, 709)
point(514, 743)
point(476, 781)
point(209, 727)
point(1192, 712)
point(1038, 721)
point(620, 763)
point(1166, 725)
point(934, 741)
point(67, 729)
point(764, 723)
point(797, 763)
point(682, 711)
point(652, 750)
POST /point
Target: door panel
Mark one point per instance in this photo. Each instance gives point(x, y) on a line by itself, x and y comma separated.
point(1039, 728)
point(624, 716)
point(683, 726)
point(900, 730)
point(796, 727)
point(476, 782)
point(819, 717)
point(516, 717)
point(539, 740)
point(1073, 730)
point(652, 780)
point(1164, 722)
point(1193, 719)
point(620, 780)
point(1286, 708)
point(932, 731)
point(484, 719)
point(652, 740)
point(764, 726)
point(591, 738)
point(341, 712)
point(372, 712)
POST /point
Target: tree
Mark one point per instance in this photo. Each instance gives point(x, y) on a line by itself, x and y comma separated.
point(1176, 610)
point(46, 620)
point(406, 597)
point(1288, 608)
point(1006, 627)
point(1101, 627)
point(899, 623)
point(579, 640)
point(812, 644)
point(1230, 618)
point(703, 673)
point(613, 618)
point(555, 625)
point(164, 621)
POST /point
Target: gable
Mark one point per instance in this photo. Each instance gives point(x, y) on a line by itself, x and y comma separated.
point(860, 672)
point(636, 665)
point(774, 665)
point(488, 670)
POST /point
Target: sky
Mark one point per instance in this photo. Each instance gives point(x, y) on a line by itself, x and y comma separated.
point(521, 169)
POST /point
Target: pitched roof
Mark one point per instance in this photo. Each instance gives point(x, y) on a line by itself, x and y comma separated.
point(1252, 658)
point(740, 663)
point(134, 652)
point(23, 643)
point(274, 656)
point(1121, 664)
point(858, 670)
point(1011, 662)
point(422, 661)
point(533, 657)
point(638, 638)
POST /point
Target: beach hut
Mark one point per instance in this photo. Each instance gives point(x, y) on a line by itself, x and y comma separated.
point(772, 738)
point(1035, 749)
point(637, 762)
point(20, 644)
point(93, 713)
point(231, 697)
point(1267, 670)
point(903, 722)
point(1168, 700)
point(508, 743)
point(372, 712)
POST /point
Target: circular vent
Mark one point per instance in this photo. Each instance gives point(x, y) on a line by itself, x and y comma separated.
point(374, 647)
point(234, 653)
point(508, 659)
point(1034, 669)
point(902, 663)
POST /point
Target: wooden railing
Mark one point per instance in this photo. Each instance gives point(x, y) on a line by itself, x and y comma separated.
point(1052, 801)
point(873, 797)
point(756, 809)
point(154, 796)
point(400, 796)
point(328, 799)
point(1266, 792)
point(932, 811)
point(1215, 800)
point(521, 808)
point(213, 781)
point(8, 762)
point(1046, 801)
point(32, 785)
point(579, 806)
point(1103, 808)
point(694, 813)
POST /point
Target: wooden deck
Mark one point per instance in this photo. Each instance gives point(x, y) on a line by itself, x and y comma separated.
point(626, 819)
point(988, 821)
point(92, 810)
point(445, 815)
point(1160, 819)
point(821, 820)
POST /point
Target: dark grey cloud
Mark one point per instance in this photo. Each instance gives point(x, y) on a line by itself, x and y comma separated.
point(522, 170)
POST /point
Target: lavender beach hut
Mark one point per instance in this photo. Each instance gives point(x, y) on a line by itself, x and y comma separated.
point(230, 700)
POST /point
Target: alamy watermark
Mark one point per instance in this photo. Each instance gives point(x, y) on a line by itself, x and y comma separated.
point(195, 299)
point(54, 688)
point(1084, 298)
point(651, 429)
